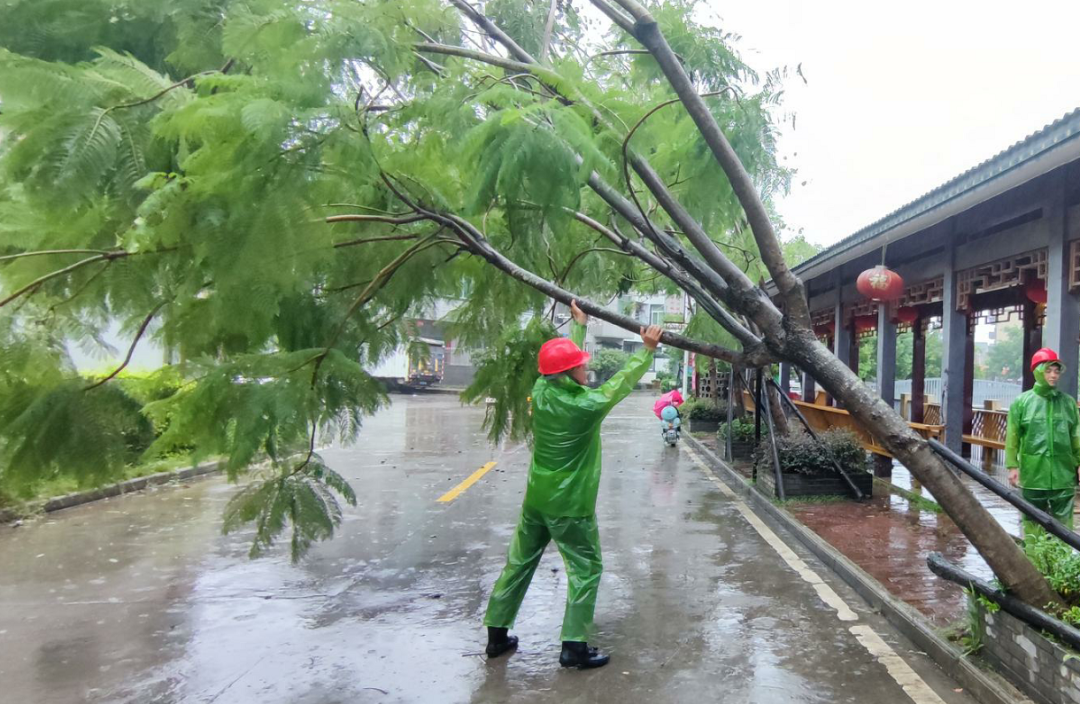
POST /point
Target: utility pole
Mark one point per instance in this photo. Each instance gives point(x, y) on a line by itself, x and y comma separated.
point(686, 353)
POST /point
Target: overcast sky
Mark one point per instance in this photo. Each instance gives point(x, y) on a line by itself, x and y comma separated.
point(900, 100)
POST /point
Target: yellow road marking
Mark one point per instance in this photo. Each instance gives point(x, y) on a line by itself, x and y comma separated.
point(460, 488)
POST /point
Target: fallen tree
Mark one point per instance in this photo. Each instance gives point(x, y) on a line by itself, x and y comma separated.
point(460, 140)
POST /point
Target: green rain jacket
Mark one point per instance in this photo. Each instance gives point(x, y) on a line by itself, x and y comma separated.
point(1043, 437)
point(564, 476)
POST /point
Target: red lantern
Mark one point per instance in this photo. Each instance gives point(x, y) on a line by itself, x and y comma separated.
point(863, 323)
point(907, 314)
point(880, 284)
point(1035, 290)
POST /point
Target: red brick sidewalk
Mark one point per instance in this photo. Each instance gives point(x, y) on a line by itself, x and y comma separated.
point(889, 537)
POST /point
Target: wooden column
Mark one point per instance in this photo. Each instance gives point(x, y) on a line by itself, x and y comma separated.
point(809, 388)
point(886, 356)
point(969, 385)
point(785, 377)
point(1032, 342)
point(918, 372)
point(853, 354)
point(1062, 306)
point(955, 333)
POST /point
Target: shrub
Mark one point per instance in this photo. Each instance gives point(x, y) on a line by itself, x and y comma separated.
point(668, 385)
point(607, 362)
point(801, 454)
point(1061, 566)
point(703, 409)
point(742, 430)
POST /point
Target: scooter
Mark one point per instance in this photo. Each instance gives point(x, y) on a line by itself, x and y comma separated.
point(669, 425)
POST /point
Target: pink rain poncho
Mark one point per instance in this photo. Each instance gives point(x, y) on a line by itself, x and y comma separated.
point(671, 398)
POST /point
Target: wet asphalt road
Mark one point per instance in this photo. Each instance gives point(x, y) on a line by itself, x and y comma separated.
point(141, 600)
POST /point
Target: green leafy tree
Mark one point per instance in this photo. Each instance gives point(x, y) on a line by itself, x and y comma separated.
point(269, 188)
point(1003, 360)
point(606, 362)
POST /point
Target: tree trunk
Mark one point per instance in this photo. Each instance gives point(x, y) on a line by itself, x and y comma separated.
point(776, 407)
point(737, 392)
point(999, 550)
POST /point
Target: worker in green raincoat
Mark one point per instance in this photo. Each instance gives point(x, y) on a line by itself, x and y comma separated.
point(560, 499)
point(1042, 443)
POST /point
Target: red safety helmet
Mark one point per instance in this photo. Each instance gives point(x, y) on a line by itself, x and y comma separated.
point(560, 354)
point(1043, 356)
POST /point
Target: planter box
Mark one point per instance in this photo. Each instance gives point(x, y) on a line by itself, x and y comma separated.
point(703, 426)
point(743, 451)
point(803, 485)
point(1042, 669)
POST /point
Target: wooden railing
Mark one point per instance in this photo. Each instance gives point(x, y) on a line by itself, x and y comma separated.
point(822, 417)
point(827, 417)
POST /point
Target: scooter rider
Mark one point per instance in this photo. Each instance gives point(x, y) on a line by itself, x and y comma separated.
point(560, 499)
point(1042, 443)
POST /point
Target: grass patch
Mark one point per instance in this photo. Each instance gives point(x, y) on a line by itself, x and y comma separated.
point(920, 502)
point(53, 487)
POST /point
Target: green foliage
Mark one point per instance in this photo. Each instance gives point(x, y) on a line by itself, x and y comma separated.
point(801, 454)
point(1061, 566)
point(506, 373)
point(607, 362)
point(302, 499)
point(742, 430)
point(1004, 360)
point(904, 355)
point(703, 409)
point(177, 159)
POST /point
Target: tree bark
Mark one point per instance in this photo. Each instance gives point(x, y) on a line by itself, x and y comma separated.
point(787, 336)
point(996, 546)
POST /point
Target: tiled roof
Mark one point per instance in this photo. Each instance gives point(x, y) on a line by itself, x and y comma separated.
point(1064, 129)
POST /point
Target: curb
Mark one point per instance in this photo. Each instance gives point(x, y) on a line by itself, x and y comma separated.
point(125, 487)
point(985, 686)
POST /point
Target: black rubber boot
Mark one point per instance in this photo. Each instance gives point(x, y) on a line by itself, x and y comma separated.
point(499, 642)
point(578, 654)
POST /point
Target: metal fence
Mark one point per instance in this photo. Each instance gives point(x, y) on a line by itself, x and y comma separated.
point(1001, 391)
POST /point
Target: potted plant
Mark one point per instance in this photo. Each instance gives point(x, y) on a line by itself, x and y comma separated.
point(742, 437)
point(702, 415)
point(807, 466)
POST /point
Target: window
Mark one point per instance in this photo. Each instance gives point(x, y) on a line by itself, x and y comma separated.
point(656, 314)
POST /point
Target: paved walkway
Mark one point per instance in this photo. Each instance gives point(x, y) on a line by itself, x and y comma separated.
point(140, 599)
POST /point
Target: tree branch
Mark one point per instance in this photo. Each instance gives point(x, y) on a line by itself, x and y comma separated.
point(480, 20)
point(52, 275)
point(369, 240)
point(748, 340)
point(479, 244)
point(45, 252)
point(131, 349)
point(391, 219)
point(646, 31)
point(545, 43)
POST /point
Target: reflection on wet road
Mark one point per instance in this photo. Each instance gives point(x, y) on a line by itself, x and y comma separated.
point(140, 599)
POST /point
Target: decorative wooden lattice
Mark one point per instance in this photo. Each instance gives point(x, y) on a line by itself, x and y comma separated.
point(931, 291)
point(997, 275)
point(932, 413)
point(860, 310)
point(928, 324)
point(822, 318)
point(1074, 264)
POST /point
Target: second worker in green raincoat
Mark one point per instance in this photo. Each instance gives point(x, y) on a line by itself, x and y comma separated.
point(1042, 443)
point(560, 499)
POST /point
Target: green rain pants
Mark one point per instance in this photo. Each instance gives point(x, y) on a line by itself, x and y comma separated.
point(1057, 502)
point(578, 541)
